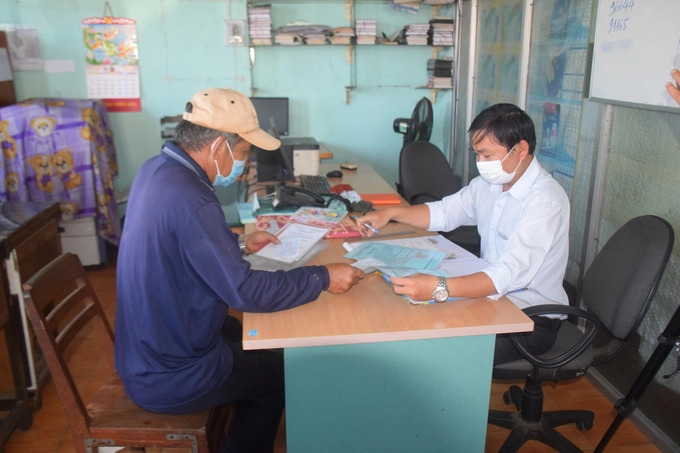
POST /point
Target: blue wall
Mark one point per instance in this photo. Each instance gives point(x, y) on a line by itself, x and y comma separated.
point(182, 50)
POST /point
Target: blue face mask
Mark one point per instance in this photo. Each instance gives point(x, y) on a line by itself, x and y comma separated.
point(236, 171)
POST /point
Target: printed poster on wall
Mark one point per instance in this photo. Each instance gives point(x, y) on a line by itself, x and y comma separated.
point(112, 62)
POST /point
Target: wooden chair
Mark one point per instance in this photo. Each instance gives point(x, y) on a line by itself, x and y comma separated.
point(15, 408)
point(62, 306)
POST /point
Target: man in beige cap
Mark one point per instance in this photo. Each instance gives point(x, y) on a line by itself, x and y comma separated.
point(180, 268)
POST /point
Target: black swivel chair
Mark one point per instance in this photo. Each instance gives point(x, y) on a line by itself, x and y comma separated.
point(617, 290)
point(425, 175)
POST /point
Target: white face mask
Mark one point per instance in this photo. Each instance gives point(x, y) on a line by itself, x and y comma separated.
point(492, 170)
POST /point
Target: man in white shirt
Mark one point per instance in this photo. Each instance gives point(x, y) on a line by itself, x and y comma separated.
point(522, 216)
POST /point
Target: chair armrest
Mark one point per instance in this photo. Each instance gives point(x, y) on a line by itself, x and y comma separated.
point(592, 325)
point(422, 197)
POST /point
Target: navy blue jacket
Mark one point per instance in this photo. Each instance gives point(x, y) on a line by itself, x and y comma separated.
point(179, 269)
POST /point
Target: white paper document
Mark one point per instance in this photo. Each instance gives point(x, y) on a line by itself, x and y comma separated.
point(397, 255)
point(404, 257)
point(456, 260)
point(296, 240)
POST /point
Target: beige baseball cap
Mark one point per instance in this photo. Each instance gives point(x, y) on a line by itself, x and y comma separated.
point(227, 110)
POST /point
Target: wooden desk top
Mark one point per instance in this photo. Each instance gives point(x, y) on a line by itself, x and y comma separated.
point(371, 312)
point(364, 179)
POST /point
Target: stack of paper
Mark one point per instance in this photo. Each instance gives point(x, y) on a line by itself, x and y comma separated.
point(366, 31)
point(287, 39)
point(315, 40)
point(342, 35)
point(439, 73)
point(305, 32)
point(260, 25)
point(441, 31)
point(416, 34)
point(434, 255)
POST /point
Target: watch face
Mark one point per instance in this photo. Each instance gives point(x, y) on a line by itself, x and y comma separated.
point(440, 294)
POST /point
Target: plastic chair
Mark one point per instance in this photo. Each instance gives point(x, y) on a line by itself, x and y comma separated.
point(64, 312)
point(617, 290)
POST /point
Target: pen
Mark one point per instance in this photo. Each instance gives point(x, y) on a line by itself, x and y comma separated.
point(367, 225)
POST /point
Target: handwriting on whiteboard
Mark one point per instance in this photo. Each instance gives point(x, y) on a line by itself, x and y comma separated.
point(619, 15)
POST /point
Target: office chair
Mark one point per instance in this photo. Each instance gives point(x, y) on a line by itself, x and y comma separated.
point(425, 175)
point(617, 290)
point(63, 309)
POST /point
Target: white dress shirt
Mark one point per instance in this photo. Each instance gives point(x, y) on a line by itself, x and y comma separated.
point(524, 233)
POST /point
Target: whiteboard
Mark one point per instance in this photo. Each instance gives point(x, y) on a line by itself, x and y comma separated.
point(637, 43)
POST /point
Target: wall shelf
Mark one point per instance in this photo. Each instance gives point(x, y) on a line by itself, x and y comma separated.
point(350, 19)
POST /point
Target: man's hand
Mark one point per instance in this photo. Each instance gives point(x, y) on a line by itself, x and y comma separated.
point(416, 286)
point(343, 277)
point(258, 239)
point(673, 88)
point(377, 219)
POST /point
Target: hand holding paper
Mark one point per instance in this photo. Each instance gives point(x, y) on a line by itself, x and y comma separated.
point(416, 287)
point(296, 239)
point(258, 239)
point(343, 277)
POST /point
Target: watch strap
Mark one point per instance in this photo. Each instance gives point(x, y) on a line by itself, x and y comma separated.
point(242, 243)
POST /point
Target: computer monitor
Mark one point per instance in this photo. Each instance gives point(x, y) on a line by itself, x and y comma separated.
point(272, 108)
point(277, 165)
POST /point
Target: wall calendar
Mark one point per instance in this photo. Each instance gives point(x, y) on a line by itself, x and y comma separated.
point(112, 61)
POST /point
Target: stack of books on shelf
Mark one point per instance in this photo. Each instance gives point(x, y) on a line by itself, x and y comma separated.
point(304, 33)
point(366, 31)
point(287, 38)
point(416, 34)
point(342, 35)
point(315, 39)
point(260, 25)
point(441, 31)
point(439, 73)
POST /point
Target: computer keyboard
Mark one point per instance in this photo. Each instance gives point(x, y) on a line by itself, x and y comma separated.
point(315, 183)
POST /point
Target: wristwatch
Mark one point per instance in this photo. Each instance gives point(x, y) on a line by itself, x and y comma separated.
point(242, 244)
point(441, 292)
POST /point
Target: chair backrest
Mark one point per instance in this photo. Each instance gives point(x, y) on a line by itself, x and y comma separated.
point(425, 174)
point(61, 304)
point(622, 280)
point(64, 311)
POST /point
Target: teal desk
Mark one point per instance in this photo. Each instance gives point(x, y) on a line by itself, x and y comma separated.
point(368, 372)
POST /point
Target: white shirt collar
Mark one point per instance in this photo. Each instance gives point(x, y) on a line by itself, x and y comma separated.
point(520, 189)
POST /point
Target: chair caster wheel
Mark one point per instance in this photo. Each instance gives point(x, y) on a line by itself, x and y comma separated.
point(507, 399)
